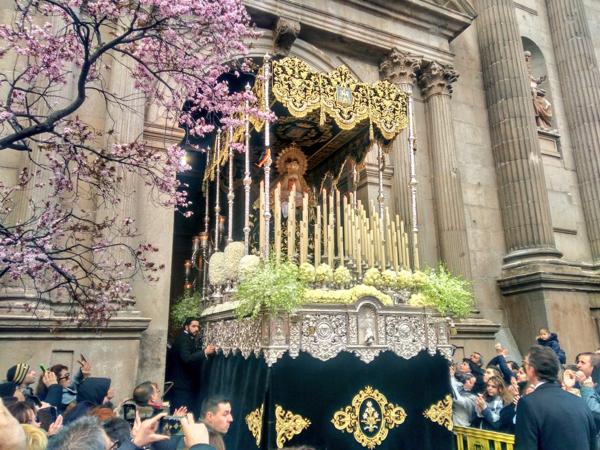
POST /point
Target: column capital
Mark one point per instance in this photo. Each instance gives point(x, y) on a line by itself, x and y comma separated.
point(436, 79)
point(400, 68)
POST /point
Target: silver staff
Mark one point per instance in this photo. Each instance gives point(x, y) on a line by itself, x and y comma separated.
point(247, 179)
point(413, 170)
point(268, 161)
point(217, 188)
point(230, 194)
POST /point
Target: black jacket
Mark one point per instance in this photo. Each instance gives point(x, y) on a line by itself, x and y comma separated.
point(552, 419)
point(186, 360)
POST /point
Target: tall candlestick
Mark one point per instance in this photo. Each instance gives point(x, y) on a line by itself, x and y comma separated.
point(413, 177)
point(261, 216)
point(331, 232)
point(217, 188)
point(325, 216)
point(317, 259)
point(230, 194)
point(340, 227)
point(277, 221)
point(268, 160)
point(247, 179)
point(304, 230)
point(292, 224)
point(206, 190)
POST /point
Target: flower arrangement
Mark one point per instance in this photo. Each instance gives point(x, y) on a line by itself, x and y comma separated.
point(234, 252)
point(345, 296)
point(342, 276)
point(404, 280)
point(388, 279)
point(324, 273)
point(372, 277)
point(218, 269)
point(248, 265)
point(306, 272)
point(274, 287)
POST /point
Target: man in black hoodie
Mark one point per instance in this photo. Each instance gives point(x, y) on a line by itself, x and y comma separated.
point(185, 371)
point(93, 391)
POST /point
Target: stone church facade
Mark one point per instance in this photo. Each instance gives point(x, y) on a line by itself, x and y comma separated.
point(508, 204)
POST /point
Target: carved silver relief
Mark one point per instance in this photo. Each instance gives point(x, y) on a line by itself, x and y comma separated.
point(365, 330)
point(324, 335)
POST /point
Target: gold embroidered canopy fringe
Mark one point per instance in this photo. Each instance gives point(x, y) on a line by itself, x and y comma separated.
point(339, 95)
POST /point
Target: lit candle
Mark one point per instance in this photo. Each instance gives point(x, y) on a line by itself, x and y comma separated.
point(277, 221)
point(292, 224)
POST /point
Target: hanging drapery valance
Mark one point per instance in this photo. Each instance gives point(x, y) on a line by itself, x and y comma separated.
point(339, 95)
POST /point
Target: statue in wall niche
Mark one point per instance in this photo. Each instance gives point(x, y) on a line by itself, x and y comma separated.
point(541, 106)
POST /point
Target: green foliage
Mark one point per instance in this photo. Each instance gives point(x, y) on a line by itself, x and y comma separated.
point(183, 308)
point(274, 287)
point(445, 292)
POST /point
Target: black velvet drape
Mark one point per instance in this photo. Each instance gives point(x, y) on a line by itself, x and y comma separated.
point(316, 390)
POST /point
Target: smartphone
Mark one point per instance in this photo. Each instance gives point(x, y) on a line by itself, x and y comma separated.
point(129, 413)
point(47, 416)
point(169, 425)
point(43, 369)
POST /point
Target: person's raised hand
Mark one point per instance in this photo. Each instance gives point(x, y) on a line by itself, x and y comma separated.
point(452, 370)
point(86, 367)
point(209, 350)
point(193, 433)
point(49, 378)
point(516, 399)
point(145, 433)
point(580, 376)
point(180, 412)
point(55, 426)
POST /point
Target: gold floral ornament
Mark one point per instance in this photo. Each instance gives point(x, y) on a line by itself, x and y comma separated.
point(254, 420)
point(340, 95)
point(369, 418)
point(288, 425)
point(441, 413)
point(296, 86)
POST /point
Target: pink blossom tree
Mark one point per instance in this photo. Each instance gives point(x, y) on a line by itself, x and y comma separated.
point(73, 245)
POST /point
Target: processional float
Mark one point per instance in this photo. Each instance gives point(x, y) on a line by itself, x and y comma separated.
point(280, 368)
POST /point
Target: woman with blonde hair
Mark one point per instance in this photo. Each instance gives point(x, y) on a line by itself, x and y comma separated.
point(489, 405)
point(35, 437)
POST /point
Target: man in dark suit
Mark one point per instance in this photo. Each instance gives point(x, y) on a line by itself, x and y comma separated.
point(186, 359)
point(550, 418)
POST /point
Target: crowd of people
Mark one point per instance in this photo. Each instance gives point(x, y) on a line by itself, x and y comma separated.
point(545, 409)
point(546, 403)
point(75, 410)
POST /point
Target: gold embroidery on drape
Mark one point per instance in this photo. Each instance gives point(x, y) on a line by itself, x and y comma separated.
point(441, 413)
point(369, 418)
point(288, 425)
point(254, 420)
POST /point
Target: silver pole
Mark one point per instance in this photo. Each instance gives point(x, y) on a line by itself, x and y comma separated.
point(206, 195)
point(217, 188)
point(230, 194)
point(413, 169)
point(267, 165)
point(247, 179)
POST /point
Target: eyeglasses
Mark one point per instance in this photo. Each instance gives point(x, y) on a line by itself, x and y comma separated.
point(66, 376)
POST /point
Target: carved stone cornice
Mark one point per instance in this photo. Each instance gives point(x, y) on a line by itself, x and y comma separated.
point(436, 79)
point(285, 33)
point(400, 68)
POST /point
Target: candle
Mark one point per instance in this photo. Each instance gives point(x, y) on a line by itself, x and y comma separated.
point(261, 217)
point(318, 238)
point(277, 221)
point(340, 227)
point(292, 224)
point(325, 228)
point(304, 230)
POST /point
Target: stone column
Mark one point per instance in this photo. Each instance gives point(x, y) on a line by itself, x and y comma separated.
point(400, 68)
point(580, 83)
point(519, 167)
point(436, 83)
